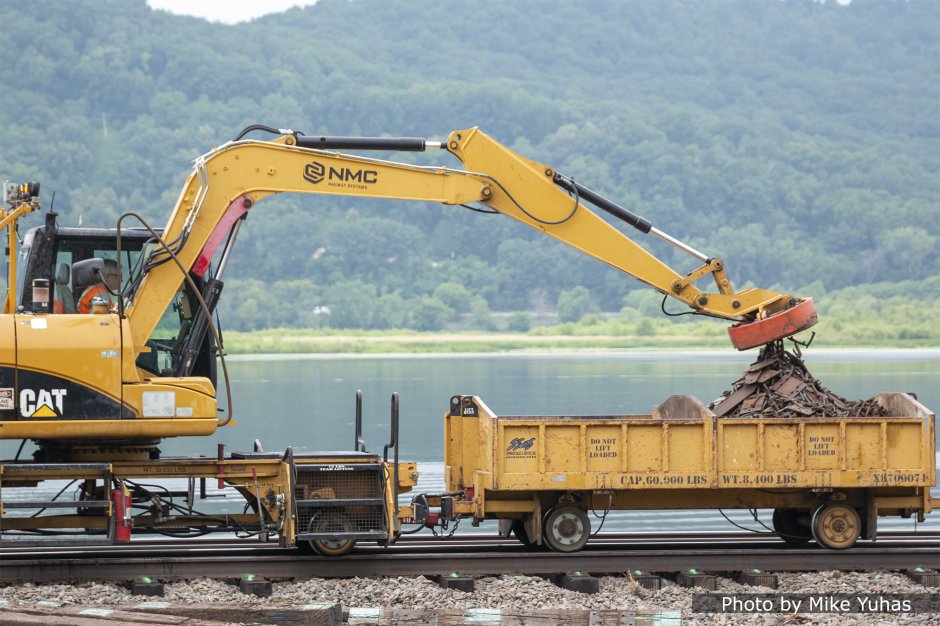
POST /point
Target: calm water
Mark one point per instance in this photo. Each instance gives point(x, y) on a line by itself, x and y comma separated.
point(308, 401)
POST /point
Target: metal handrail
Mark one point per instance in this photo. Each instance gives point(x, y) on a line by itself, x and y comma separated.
point(394, 444)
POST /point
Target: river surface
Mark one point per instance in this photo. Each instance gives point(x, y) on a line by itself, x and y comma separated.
point(308, 401)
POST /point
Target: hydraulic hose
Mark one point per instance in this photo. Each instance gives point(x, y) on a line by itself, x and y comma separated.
point(199, 298)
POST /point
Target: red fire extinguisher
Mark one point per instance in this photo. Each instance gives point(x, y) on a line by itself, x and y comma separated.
point(121, 501)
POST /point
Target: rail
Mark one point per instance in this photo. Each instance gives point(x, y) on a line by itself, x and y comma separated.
point(483, 556)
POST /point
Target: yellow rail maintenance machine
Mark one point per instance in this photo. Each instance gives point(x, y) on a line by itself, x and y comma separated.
point(96, 391)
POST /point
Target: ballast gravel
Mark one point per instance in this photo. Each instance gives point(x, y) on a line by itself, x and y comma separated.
point(514, 593)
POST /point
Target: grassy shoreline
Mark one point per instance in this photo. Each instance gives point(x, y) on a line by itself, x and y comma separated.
point(294, 341)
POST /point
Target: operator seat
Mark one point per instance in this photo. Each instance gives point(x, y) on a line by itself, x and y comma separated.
point(62, 292)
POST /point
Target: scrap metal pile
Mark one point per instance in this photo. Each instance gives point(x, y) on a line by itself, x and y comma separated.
point(779, 385)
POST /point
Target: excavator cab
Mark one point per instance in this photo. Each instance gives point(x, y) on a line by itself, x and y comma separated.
point(58, 255)
point(50, 253)
point(52, 392)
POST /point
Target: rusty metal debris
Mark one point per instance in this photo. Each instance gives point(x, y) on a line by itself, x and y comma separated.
point(779, 385)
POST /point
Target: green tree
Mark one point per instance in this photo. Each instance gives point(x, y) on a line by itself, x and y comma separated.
point(454, 295)
point(519, 322)
point(574, 304)
point(480, 316)
point(351, 304)
point(905, 251)
point(391, 311)
point(429, 313)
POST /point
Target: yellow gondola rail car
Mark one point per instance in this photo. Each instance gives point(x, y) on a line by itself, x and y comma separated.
point(827, 479)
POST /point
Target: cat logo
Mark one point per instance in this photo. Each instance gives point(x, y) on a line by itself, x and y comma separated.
point(42, 403)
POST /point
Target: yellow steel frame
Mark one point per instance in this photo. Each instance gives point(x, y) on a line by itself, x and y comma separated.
point(889, 459)
point(8, 220)
point(495, 176)
point(267, 480)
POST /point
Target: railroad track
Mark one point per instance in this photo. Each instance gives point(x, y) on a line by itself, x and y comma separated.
point(156, 543)
point(470, 555)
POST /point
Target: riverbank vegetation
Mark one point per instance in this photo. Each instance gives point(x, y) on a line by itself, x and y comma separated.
point(852, 318)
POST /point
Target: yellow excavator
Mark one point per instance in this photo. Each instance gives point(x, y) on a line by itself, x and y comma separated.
point(110, 383)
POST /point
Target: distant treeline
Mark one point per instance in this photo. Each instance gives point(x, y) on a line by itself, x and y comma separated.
point(799, 141)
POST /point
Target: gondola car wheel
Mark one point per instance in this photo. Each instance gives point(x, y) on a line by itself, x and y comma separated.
point(836, 526)
point(566, 529)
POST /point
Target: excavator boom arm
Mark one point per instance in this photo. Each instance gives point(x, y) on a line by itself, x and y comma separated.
point(123, 384)
point(232, 178)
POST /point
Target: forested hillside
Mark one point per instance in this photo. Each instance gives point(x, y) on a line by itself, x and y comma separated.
point(799, 141)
